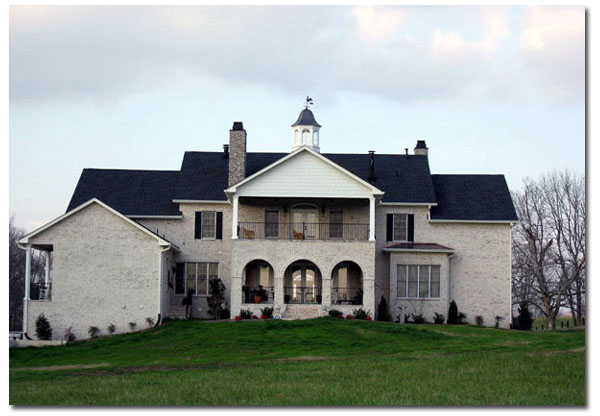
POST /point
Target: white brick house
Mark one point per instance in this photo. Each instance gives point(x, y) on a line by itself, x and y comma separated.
point(302, 232)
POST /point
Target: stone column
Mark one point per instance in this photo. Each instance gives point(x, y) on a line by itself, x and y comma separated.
point(27, 284)
point(371, 218)
point(326, 292)
point(234, 220)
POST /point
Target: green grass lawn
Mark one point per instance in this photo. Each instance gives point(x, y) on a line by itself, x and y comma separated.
point(313, 362)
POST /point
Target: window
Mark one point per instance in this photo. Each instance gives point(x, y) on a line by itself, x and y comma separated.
point(418, 281)
point(271, 224)
point(195, 277)
point(209, 221)
point(336, 220)
point(400, 227)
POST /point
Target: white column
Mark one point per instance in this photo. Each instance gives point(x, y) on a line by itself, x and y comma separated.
point(234, 220)
point(27, 280)
point(371, 218)
point(47, 276)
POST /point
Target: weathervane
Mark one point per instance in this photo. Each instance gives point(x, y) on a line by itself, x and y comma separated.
point(308, 102)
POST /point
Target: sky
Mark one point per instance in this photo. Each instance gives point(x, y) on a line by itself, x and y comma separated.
point(490, 89)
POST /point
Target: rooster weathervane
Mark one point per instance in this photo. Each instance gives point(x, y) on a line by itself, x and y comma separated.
point(308, 102)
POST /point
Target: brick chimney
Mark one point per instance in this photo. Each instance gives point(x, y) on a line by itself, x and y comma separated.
point(421, 148)
point(237, 153)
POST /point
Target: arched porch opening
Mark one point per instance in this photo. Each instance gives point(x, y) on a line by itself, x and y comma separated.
point(347, 284)
point(257, 282)
point(303, 283)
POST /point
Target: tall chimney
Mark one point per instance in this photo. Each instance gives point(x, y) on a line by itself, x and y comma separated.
point(371, 165)
point(421, 148)
point(237, 153)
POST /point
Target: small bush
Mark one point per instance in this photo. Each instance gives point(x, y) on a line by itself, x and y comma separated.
point(438, 318)
point(246, 314)
point(383, 310)
point(418, 319)
point(150, 322)
point(462, 318)
point(453, 314)
point(225, 314)
point(238, 318)
point(479, 320)
point(498, 320)
point(69, 335)
point(93, 331)
point(43, 330)
point(360, 313)
point(132, 325)
point(349, 316)
point(267, 311)
point(111, 328)
point(524, 320)
point(334, 313)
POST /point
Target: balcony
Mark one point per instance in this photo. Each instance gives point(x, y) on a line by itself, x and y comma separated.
point(303, 231)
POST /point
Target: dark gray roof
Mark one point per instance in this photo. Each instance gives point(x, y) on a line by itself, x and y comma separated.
point(306, 118)
point(472, 197)
point(131, 192)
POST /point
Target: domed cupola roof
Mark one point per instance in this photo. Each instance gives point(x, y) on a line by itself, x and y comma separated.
point(306, 118)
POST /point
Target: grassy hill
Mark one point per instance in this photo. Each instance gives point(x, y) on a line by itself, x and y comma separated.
point(313, 362)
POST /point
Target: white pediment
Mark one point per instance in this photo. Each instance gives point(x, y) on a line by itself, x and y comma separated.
point(305, 174)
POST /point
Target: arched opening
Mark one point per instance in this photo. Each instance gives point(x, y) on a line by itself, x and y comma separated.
point(257, 282)
point(306, 136)
point(316, 139)
point(296, 137)
point(303, 283)
point(347, 284)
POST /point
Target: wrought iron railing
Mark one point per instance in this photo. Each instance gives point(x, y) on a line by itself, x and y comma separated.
point(346, 296)
point(303, 231)
point(302, 294)
point(40, 291)
point(257, 294)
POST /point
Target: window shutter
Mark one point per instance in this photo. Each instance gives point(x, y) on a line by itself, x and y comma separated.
point(198, 226)
point(411, 227)
point(390, 227)
point(219, 235)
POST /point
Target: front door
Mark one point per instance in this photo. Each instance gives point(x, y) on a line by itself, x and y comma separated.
point(305, 287)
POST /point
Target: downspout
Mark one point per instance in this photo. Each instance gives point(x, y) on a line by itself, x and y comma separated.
point(160, 283)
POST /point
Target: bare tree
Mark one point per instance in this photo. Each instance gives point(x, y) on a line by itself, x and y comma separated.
point(549, 245)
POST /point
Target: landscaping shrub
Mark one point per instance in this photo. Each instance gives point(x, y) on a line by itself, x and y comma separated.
point(150, 322)
point(111, 328)
point(246, 314)
point(267, 312)
point(462, 318)
point(383, 310)
point(93, 331)
point(69, 335)
point(225, 314)
point(479, 320)
point(498, 320)
point(438, 318)
point(43, 330)
point(360, 313)
point(132, 325)
point(334, 313)
point(524, 320)
point(453, 314)
point(216, 300)
point(238, 318)
point(349, 316)
point(418, 319)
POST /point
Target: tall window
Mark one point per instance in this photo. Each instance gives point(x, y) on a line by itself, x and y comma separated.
point(336, 220)
point(195, 277)
point(400, 227)
point(271, 224)
point(418, 281)
point(209, 221)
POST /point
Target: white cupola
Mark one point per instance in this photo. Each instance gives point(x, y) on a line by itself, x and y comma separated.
point(306, 128)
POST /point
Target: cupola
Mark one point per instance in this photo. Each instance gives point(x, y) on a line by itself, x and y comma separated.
point(306, 128)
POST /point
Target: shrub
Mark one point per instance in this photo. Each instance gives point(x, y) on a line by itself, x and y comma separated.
point(383, 310)
point(498, 320)
point(453, 314)
point(238, 318)
point(69, 335)
point(132, 325)
point(111, 328)
point(462, 318)
point(267, 312)
point(216, 300)
point(150, 322)
point(524, 320)
point(418, 319)
point(43, 330)
point(254, 317)
point(438, 318)
point(93, 331)
point(334, 313)
point(349, 316)
point(246, 314)
point(479, 320)
point(360, 313)
point(225, 314)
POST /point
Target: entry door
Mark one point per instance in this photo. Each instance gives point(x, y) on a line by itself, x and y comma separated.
point(304, 284)
point(305, 222)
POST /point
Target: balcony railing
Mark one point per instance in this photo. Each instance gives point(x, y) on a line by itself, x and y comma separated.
point(40, 291)
point(257, 294)
point(302, 294)
point(346, 296)
point(303, 231)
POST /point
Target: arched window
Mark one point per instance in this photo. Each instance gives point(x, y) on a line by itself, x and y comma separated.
point(296, 137)
point(306, 136)
point(316, 138)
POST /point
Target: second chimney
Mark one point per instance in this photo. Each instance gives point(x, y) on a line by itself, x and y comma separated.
point(421, 148)
point(237, 153)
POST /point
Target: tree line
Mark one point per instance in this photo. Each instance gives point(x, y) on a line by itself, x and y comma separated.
point(548, 246)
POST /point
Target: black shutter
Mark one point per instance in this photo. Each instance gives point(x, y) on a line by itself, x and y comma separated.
point(390, 228)
point(411, 227)
point(198, 226)
point(219, 225)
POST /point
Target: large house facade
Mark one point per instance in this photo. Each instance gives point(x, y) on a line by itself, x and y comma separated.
point(302, 232)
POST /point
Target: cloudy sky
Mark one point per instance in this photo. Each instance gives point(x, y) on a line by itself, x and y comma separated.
point(491, 89)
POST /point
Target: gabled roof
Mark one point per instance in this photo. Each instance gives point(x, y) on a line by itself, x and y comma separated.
point(472, 198)
point(131, 192)
point(161, 240)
